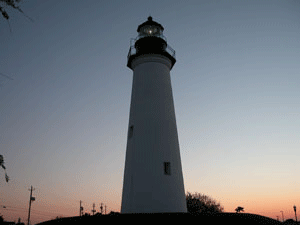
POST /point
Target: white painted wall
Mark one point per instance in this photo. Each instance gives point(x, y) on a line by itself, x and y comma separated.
point(146, 189)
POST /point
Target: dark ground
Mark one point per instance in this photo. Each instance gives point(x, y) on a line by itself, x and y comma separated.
point(211, 219)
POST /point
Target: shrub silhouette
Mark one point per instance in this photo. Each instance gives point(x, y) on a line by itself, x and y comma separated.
point(199, 203)
point(239, 209)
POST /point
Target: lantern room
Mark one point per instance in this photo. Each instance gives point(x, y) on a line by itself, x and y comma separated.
point(150, 40)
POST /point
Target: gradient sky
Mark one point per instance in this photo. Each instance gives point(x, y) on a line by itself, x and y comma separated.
point(64, 116)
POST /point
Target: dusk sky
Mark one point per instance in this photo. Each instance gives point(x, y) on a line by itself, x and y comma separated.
point(64, 111)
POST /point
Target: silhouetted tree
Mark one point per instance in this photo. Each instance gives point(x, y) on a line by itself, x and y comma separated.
point(199, 203)
point(4, 4)
point(1, 219)
point(11, 4)
point(2, 165)
point(239, 209)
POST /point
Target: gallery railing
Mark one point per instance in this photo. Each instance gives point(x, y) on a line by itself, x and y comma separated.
point(132, 49)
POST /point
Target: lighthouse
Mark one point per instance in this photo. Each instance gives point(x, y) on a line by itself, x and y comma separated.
point(153, 180)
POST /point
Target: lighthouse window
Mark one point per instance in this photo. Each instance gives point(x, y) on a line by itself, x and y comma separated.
point(167, 168)
point(130, 132)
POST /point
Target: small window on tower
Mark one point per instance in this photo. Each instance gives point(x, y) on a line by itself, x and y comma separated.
point(130, 132)
point(167, 168)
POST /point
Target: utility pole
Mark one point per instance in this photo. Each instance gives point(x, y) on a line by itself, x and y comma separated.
point(93, 211)
point(30, 200)
point(295, 213)
point(282, 216)
point(101, 208)
point(80, 209)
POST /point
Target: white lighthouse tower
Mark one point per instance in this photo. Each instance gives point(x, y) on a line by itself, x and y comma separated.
point(153, 181)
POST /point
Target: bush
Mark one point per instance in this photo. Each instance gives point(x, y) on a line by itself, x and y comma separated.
point(199, 203)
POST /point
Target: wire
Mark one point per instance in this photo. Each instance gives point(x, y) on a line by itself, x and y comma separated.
point(9, 26)
point(7, 208)
point(6, 76)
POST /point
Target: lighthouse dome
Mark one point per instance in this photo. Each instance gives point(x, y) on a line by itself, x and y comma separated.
point(150, 23)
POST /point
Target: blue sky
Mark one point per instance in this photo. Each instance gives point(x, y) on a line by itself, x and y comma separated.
point(64, 116)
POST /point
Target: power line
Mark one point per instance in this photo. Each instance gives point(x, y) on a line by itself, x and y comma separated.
point(48, 213)
point(18, 209)
point(7, 208)
point(36, 215)
point(8, 77)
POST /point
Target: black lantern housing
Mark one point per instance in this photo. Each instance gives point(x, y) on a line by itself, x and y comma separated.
point(150, 41)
